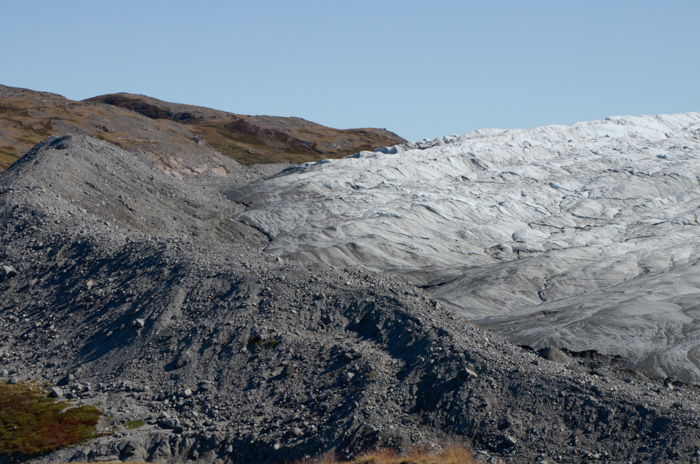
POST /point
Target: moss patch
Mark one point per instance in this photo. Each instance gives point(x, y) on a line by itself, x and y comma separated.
point(31, 423)
point(258, 341)
point(134, 424)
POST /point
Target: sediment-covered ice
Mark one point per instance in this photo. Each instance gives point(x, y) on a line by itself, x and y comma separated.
point(585, 237)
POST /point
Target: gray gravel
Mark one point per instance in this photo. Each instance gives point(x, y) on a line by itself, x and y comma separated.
point(138, 292)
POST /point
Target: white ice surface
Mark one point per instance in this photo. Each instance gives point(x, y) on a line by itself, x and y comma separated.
point(584, 236)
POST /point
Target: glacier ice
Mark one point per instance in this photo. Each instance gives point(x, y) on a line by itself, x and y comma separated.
point(584, 236)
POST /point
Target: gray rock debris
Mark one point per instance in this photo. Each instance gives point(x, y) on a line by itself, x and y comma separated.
point(172, 256)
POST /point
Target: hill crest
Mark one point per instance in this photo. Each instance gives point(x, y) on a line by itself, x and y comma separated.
point(180, 139)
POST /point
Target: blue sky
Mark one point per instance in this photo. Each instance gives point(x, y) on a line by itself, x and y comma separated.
point(418, 68)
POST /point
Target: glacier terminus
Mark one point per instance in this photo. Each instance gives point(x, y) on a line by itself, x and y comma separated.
point(585, 237)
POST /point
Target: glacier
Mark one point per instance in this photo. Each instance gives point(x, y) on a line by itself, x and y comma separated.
point(585, 236)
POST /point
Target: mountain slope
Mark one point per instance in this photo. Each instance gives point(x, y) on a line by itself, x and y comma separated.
point(181, 139)
point(257, 139)
point(27, 117)
point(584, 237)
point(141, 293)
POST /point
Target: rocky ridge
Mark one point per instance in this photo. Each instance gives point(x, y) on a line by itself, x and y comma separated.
point(160, 307)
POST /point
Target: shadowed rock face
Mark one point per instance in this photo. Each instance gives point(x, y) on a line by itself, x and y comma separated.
point(584, 237)
point(162, 307)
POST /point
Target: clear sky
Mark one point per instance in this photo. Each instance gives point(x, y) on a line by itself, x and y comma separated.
point(418, 68)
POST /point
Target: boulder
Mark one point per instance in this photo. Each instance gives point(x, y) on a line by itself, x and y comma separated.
point(129, 446)
point(554, 354)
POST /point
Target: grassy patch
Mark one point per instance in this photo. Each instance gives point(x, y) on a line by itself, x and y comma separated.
point(13, 111)
point(134, 424)
point(452, 455)
point(455, 455)
point(31, 423)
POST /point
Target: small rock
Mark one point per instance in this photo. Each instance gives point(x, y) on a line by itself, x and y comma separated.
point(169, 422)
point(68, 379)
point(555, 355)
point(13, 381)
point(206, 385)
point(138, 323)
point(296, 432)
point(55, 392)
point(508, 441)
point(129, 446)
point(187, 424)
point(347, 377)
point(4, 373)
point(182, 359)
point(7, 272)
point(186, 393)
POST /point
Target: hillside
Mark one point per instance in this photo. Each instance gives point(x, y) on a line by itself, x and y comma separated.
point(145, 294)
point(180, 139)
point(257, 139)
